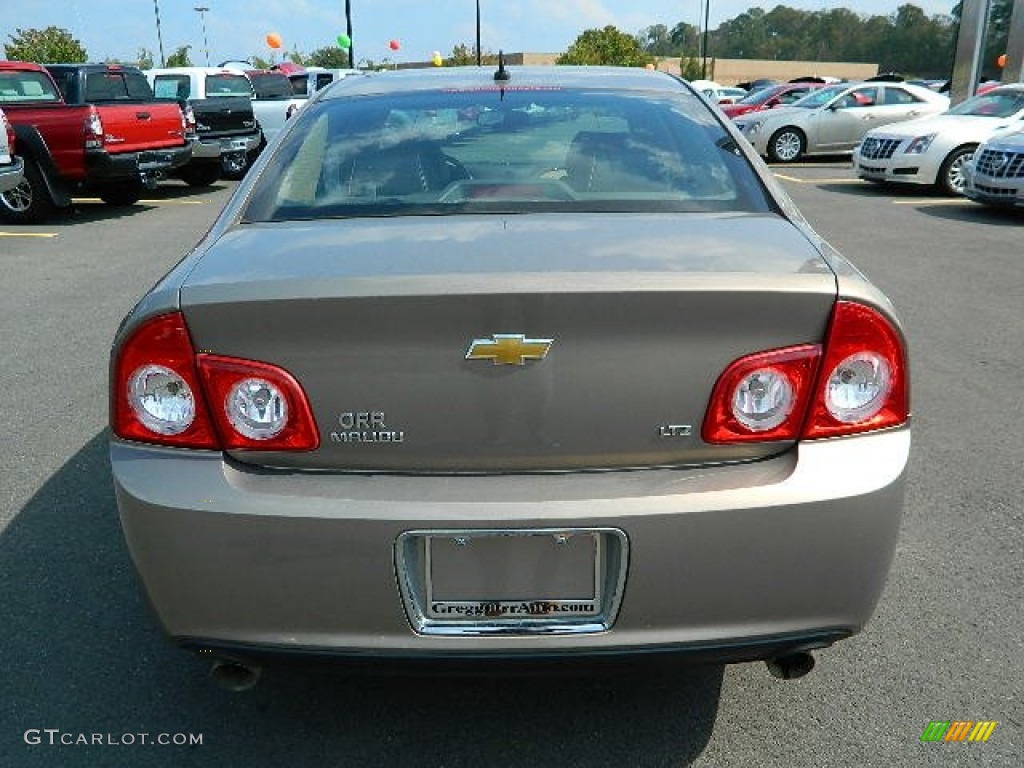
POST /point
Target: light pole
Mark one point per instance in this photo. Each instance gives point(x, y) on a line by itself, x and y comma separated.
point(348, 31)
point(478, 54)
point(201, 10)
point(159, 35)
point(704, 61)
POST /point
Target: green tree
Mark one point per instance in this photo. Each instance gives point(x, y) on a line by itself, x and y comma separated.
point(685, 37)
point(690, 68)
point(657, 41)
point(295, 56)
point(144, 59)
point(606, 46)
point(52, 45)
point(180, 57)
point(463, 55)
point(330, 57)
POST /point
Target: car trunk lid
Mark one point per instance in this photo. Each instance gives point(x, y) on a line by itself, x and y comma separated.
point(638, 314)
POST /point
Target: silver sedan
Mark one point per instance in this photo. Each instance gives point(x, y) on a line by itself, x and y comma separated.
point(834, 119)
point(526, 363)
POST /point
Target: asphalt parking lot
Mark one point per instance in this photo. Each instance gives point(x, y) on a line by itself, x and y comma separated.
point(80, 654)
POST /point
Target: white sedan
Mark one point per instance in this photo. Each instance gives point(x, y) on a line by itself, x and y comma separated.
point(933, 151)
point(719, 94)
point(995, 175)
point(835, 118)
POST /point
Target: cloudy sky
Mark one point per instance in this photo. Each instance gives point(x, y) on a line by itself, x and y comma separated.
point(238, 28)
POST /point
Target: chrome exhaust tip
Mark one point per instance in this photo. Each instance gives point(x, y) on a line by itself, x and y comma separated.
point(791, 666)
point(234, 676)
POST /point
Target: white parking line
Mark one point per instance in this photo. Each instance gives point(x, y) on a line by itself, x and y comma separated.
point(147, 202)
point(933, 201)
point(29, 234)
point(846, 180)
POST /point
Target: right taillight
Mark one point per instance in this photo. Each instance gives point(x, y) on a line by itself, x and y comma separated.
point(855, 382)
point(863, 382)
point(188, 117)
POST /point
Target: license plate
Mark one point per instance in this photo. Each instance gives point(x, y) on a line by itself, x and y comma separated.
point(481, 576)
point(237, 144)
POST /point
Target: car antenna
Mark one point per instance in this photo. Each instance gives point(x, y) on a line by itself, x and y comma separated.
point(502, 74)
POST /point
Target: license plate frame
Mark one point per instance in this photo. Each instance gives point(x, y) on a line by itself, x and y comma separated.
point(593, 569)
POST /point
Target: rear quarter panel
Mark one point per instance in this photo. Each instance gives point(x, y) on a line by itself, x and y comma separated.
point(61, 129)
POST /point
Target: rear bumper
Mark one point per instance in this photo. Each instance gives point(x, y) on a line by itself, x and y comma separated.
point(725, 560)
point(101, 166)
point(11, 174)
point(214, 148)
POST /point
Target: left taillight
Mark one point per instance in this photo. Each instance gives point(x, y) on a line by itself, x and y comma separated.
point(857, 381)
point(6, 132)
point(156, 393)
point(92, 129)
point(163, 393)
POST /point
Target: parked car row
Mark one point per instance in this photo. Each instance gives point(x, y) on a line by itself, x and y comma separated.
point(934, 151)
point(897, 133)
point(113, 130)
point(835, 118)
point(106, 142)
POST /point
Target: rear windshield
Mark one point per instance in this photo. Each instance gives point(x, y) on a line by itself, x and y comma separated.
point(117, 86)
point(820, 96)
point(172, 86)
point(300, 84)
point(228, 85)
point(483, 150)
point(271, 86)
point(760, 96)
point(997, 103)
point(16, 86)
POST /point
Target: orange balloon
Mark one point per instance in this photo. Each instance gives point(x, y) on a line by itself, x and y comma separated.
point(1001, 61)
point(274, 40)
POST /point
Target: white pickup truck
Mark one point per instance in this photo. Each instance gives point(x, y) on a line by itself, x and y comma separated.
point(309, 80)
point(273, 101)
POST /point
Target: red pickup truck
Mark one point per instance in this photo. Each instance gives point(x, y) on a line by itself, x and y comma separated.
point(107, 147)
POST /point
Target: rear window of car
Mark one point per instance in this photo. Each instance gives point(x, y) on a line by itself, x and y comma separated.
point(271, 86)
point(300, 84)
point(485, 150)
point(996, 103)
point(17, 86)
point(172, 86)
point(116, 86)
point(228, 85)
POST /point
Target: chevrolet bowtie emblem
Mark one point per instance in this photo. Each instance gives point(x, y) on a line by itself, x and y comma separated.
point(509, 349)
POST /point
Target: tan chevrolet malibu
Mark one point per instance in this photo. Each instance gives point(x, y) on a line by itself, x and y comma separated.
point(526, 363)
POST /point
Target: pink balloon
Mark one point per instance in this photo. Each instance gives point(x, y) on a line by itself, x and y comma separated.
point(394, 45)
